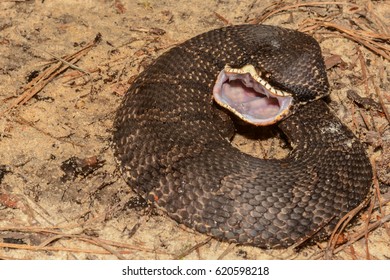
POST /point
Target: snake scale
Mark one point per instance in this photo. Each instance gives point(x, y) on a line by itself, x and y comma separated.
point(172, 140)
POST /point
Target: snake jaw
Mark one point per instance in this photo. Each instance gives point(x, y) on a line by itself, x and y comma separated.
point(243, 92)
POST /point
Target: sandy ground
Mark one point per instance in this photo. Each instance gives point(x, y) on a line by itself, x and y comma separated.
point(61, 195)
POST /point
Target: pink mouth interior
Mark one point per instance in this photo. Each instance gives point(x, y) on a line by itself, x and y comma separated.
point(248, 99)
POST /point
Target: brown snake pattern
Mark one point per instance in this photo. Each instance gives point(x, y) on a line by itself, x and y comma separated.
point(172, 142)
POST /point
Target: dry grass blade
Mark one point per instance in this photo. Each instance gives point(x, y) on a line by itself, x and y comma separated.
point(298, 5)
point(97, 242)
point(340, 227)
point(23, 121)
point(371, 227)
point(382, 102)
point(57, 249)
point(227, 251)
point(193, 248)
point(222, 18)
point(50, 73)
point(370, 40)
point(383, 26)
point(368, 226)
point(107, 245)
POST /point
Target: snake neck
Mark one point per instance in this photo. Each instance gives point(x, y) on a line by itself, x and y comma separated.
point(316, 126)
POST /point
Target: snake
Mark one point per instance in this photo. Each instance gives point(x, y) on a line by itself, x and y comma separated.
point(173, 135)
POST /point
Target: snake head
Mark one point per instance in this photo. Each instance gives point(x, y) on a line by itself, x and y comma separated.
point(250, 97)
point(282, 69)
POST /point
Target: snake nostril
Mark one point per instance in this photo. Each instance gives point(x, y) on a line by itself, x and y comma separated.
point(173, 150)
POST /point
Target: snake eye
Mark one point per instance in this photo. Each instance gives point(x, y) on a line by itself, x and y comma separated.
point(243, 92)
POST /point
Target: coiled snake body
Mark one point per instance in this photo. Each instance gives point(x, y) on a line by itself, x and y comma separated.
point(172, 140)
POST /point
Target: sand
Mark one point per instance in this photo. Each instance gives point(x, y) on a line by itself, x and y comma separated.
point(61, 193)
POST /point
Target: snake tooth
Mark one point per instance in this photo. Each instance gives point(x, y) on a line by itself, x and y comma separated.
point(172, 141)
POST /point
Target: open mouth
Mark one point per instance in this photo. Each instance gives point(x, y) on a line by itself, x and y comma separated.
point(243, 92)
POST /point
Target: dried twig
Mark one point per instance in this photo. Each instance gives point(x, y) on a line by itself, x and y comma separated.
point(49, 74)
point(298, 5)
point(341, 225)
point(222, 18)
point(360, 235)
point(193, 248)
point(58, 249)
point(368, 39)
point(381, 101)
point(57, 235)
point(227, 251)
